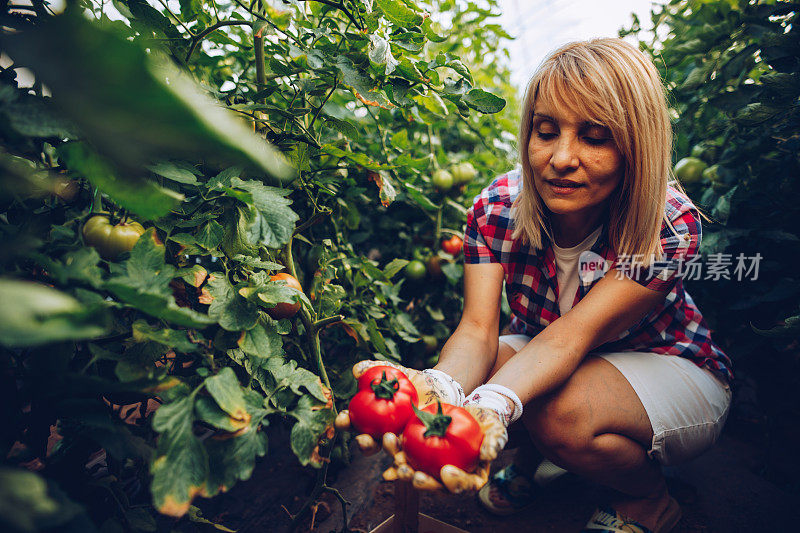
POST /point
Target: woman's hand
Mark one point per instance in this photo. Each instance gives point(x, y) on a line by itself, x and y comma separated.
point(431, 386)
point(452, 477)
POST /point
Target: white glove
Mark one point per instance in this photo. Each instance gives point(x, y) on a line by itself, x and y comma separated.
point(495, 398)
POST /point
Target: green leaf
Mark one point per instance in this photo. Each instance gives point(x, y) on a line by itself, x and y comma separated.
point(227, 392)
point(380, 53)
point(357, 158)
point(143, 283)
point(262, 341)
point(434, 103)
point(196, 516)
point(483, 101)
point(355, 79)
point(399, 14)
point(234, 459)
point(756, 113)
point(180, 469)
point(453, 272)
point(78, 266)
point(254, 262)
point(111, 88)
point(135, 193)
point(395, 266)
point(24, 501)
point(41, 315)
point(313, 422)
point(35, 117)
point(419, 197)
point(172, 171)
point(172, 338)
point(432, 30)
point(789, 328)
point(233, 312)
point(376, 338)
point(278, 219)
point(386, 190)
point(285, 373)
point(210, 235)
point(345, 127)
point(331, 299)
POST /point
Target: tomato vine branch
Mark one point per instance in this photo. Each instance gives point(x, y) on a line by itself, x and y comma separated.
point(197, 39)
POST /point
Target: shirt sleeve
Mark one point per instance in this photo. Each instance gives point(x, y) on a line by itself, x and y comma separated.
point(679, 248)
point(476, 250)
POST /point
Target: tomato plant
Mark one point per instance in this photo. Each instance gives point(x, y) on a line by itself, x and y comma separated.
point(732, 73)
point(383, 402)
point(439, 435)
point(298, 138)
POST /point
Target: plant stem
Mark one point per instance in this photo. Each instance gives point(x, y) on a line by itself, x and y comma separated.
point(197, 39)
point(325, 322)
point(312, 221)
point(341, 8)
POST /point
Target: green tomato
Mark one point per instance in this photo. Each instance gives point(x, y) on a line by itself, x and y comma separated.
point(415, 270)
point(711, 174)
point(706, 151)
point(431, 343)
point(690, 169)
point(421, 254)
point(464, 172)
point(442, 180)
point(111, 240)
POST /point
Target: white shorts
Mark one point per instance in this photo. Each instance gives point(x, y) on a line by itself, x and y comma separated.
point(687, 404)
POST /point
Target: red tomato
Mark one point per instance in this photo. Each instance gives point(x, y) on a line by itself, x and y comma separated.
point(447, 436)
point(383, 402)
point(453, 245)
point(285, 310)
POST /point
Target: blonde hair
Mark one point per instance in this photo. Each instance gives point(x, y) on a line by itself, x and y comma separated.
point(610, 81)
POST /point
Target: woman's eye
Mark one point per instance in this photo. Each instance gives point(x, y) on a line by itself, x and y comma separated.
point(545, 136)
point(596, 141)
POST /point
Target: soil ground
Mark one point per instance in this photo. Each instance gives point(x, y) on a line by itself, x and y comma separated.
point(721, 491)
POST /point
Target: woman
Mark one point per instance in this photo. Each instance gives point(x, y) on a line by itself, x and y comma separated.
point(609, 356)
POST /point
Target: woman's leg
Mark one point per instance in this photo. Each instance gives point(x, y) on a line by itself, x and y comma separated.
point(595, 425)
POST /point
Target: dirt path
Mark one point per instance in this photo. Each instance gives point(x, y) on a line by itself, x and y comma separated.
point(719, 492)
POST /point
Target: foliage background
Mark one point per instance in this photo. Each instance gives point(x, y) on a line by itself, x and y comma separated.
point(139, 383)
point(733, 75)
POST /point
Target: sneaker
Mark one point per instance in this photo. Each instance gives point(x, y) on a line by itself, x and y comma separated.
point(510, 490)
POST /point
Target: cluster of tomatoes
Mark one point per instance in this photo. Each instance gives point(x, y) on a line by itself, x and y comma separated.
point(437, 435)
point(431, 264)
point(459, 174)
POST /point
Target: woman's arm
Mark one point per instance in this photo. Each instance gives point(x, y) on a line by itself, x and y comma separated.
point(470, 352)
point(610, 307)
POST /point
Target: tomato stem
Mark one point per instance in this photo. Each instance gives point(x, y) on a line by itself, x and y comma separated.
point(385, 388)
point(436, 424)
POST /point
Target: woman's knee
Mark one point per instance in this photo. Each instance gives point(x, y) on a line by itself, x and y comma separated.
point(558, 423)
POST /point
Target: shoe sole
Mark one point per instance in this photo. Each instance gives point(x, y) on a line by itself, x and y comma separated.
point(483, 496)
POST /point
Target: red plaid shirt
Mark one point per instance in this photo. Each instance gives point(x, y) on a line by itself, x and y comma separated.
point(675, 327)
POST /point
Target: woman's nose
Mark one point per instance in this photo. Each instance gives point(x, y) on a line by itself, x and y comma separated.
point(565, 154)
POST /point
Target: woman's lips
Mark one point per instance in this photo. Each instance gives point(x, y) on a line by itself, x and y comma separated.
point(563, 186)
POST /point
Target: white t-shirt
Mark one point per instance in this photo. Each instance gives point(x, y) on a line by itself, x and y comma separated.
point(568, 269)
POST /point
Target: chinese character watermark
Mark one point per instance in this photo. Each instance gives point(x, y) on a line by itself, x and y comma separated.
point(718, 266)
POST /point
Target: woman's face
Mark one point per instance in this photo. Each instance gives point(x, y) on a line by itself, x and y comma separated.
point(576, 164)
